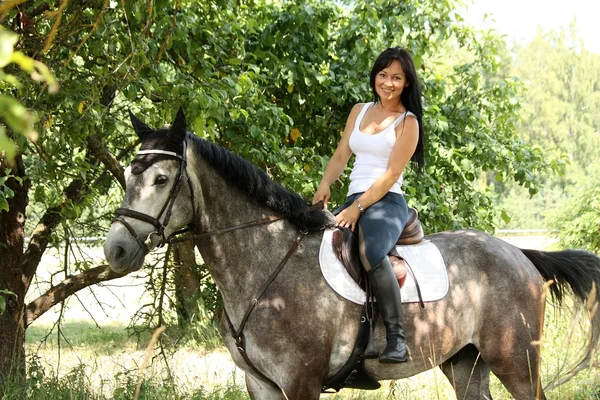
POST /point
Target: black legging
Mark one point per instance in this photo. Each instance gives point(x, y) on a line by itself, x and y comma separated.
point(379, 227)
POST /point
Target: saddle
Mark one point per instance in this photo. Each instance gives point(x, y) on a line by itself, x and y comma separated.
point(345, 244)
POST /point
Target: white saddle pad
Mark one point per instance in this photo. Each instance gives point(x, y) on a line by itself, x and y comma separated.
point(424, 258)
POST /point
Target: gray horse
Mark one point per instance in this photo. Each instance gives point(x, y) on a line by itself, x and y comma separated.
point(295, 331)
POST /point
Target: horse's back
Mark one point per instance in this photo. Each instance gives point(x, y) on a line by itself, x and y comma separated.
point(492, 285)
point(472, 254)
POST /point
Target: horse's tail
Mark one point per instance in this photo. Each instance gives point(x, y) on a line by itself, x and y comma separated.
point(578, 271)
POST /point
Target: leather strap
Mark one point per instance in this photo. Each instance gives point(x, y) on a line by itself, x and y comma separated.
point(263, 221)
point(238, 334)
point(137, 215)
point(167, 207)
point(143, 247)
point(421, 303)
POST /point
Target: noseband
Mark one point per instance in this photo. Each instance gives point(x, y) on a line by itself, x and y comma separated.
point(166, 208)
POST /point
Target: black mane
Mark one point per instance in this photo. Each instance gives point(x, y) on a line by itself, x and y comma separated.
point(257, 185)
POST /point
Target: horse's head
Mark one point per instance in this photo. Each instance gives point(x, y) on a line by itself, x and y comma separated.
point(158, 196)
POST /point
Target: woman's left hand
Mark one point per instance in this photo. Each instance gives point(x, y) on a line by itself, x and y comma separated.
point(348, 217)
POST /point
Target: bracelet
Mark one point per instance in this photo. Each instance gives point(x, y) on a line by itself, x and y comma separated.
point(360, 207)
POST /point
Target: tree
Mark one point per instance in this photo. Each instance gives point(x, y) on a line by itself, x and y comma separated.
point(576, 219)
point(559, 115)
point(273, 82)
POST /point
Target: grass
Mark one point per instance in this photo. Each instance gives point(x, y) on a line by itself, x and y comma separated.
point(107, 339)
point(103, 363)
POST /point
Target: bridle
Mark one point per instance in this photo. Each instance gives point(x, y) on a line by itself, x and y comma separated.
point(166, 209)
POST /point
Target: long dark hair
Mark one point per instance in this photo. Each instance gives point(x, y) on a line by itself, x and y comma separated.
point(411, 95)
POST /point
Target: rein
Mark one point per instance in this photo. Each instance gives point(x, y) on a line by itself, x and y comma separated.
point(262, 221)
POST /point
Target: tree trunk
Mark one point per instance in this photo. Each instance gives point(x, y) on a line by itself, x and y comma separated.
point(12, 237)
point(18, 267)
point(187, 280)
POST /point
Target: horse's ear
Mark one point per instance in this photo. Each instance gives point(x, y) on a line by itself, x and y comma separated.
point(178, 128)
point(140, 128)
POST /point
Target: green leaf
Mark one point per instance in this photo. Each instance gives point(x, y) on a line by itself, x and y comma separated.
point(39, 194)
point(7, 145)
point(16, 116)
point(505, 217)
point(8, 192)
point(8, 40)
point(26, 63)
point(3, 203)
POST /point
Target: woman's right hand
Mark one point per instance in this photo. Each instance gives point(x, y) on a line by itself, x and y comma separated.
point(322, 194)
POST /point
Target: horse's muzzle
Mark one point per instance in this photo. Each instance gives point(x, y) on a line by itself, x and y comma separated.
point(122, 252)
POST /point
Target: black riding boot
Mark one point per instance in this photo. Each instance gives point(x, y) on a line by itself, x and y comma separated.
point(387, 293)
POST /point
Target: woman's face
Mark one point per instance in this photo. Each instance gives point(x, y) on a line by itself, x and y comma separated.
point(390, 82)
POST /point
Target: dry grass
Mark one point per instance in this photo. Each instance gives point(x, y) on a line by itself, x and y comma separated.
point(109, 360)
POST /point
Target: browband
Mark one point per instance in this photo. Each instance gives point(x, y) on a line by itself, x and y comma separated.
point(166, 153)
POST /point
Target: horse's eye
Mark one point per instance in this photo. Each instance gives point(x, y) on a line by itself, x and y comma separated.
point(160, 180)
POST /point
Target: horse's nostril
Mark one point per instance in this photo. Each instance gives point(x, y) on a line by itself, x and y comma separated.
point(119, 253)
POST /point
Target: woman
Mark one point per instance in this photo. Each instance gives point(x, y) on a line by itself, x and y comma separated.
point(384, 135)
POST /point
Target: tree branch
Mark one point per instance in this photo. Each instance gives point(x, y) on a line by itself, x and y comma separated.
point(104, 156)
point(41, 234)
point(69, 286)
point(76, 191)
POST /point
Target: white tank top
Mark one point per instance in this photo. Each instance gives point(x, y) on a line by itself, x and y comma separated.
point(372, 154)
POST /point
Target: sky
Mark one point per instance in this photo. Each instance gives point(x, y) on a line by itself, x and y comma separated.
point(519, 19)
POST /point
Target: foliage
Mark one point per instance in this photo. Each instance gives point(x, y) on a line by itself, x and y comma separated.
point(527, 211)
point(275, 85)
point(559, 115)
point(576, 221)
point(563, 94)
point(45, 384)
point(12, 113)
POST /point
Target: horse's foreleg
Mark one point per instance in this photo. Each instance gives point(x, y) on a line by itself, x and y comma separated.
point(468, 374)
point(260, 389)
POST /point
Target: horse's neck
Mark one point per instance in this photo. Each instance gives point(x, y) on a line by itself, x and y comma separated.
point(241, 260)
